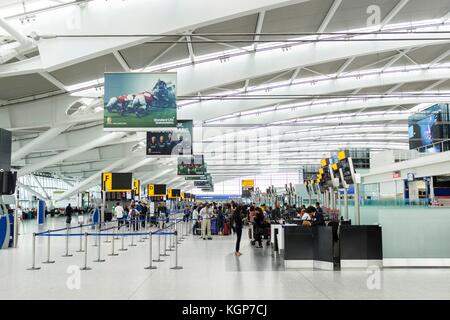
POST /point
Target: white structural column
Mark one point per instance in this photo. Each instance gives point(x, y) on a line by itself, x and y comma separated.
point(87, 182)
point(71, 153)
point(39, 141)
point(32, 191)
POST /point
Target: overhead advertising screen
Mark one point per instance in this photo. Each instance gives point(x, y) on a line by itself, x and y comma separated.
point(194, 178)
point(139, 101)
point(191, 166)
point(204, 183)
point(171, 143)
point(428, 127)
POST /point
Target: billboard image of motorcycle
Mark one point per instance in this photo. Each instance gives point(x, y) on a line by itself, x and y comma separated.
point(139, 101)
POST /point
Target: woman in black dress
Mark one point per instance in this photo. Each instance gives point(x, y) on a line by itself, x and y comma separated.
point(237, 221)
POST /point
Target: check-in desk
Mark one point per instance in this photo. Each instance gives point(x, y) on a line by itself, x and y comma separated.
point(308, 247)
point(360, 246)
point(277, 236)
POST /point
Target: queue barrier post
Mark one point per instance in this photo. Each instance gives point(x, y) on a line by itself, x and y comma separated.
point(159, 250)
point(176, 267)
point(150, 253)
point(132, 227)
point(81, 238)
point(171, 245)
point(48, 249)
point(145, 228)
point(85, 253)
point(33, 267)
point(67, 243)
point(165, 254)
point(177, 239)
point(123, 243)
point(107, 235)
point(99, 242)
point(97, 226)
point(113, 254)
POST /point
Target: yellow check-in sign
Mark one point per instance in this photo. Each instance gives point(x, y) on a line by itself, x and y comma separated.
point(106, 181)
point(136, 187)
point(248, 183)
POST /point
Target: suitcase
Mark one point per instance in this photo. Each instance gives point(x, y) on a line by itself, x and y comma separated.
point(226, 229)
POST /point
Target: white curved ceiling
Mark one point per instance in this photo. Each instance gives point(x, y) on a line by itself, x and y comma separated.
point(313, 96)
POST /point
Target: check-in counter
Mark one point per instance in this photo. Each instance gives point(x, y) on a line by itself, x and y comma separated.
point(277, 236)
point(360, 246)
point(308, 247)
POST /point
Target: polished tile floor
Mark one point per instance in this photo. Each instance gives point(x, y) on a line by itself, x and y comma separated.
point(210, 271)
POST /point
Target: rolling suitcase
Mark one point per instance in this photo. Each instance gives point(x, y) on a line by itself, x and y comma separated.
point(226, 229)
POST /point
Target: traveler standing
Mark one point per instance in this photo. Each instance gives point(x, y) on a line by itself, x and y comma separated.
point(68, 213)
point(259, 227)
point(132, 217)
point(194, 220)
point(118, 211)
point(205, 213)
point(238, 225)
point(220, 221)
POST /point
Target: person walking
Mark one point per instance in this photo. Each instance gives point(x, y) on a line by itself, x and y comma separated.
point(238, 225)
point(68, 213)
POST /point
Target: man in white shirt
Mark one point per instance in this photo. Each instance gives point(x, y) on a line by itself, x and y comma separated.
point(118, 211)
point(206, 214)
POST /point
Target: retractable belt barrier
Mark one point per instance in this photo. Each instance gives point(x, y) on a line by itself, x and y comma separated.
point(172, 230)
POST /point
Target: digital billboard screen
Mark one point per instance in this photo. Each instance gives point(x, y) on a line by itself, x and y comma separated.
point(167, 143)
point(191, 166)
point(138, 101)
point(428, 127)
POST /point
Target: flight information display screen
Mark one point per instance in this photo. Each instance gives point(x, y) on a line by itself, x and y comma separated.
point(160, 189)
point(347, 171)
point(122, 181)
